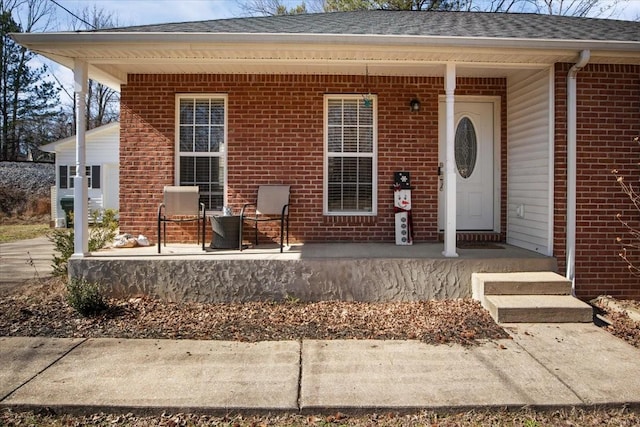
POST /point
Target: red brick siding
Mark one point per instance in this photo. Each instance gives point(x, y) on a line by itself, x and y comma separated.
point(275, 135)
point(608, 116)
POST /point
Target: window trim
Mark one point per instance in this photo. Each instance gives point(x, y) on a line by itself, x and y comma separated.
point(222, 154)
point(326, 155)
point(70, 171)
point(63, 184)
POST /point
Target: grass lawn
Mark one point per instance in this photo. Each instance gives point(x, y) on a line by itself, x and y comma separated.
point(13, 232)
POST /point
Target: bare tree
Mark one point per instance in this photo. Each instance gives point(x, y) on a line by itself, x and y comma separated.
point(27, 100)
point(583, 8)
point(36, 15)
point(102, 101)
point(270, 8)
point(503, 6)
point(630, 243)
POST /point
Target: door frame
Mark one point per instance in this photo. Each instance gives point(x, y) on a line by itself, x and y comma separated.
point(497, 158)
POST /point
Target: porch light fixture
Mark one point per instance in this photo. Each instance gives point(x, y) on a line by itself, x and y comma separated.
point(367, 100)
point(414, 105)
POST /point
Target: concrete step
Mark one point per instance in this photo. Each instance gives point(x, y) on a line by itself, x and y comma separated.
point(538, 309)
point(521, 283)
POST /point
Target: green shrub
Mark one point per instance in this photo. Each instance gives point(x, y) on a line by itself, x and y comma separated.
point(85, 297)
point(63, 244)
point(104, 229)
point(101, 233)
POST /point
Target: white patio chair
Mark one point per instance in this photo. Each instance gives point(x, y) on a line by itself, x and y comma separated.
point(272, 205)
point(181, 204)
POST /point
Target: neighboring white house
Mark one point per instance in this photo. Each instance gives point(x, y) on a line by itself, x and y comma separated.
point(102, 170)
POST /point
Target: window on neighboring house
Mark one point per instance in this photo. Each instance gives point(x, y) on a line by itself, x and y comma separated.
point(350, 155)
point(68, 172)
point(201, 138)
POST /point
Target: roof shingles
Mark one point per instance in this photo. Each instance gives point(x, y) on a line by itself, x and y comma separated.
point(413, 23)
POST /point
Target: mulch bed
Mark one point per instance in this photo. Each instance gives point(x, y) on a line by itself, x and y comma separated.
point(43, 311)
point(493, 417)
point(40, 309)
point(619, 323)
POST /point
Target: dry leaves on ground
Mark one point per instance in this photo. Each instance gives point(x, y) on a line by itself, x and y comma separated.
point(621, 325)
point(40, 310)
point(523, 417)
point(43, 312)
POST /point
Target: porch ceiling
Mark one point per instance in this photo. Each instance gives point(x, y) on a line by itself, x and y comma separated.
point(112, 56)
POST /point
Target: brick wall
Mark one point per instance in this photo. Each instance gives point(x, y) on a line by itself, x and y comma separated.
point(275, 135)
point(608, 116)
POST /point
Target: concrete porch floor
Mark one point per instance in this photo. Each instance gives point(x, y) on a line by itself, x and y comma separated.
point(310, 272)
point(344, 250)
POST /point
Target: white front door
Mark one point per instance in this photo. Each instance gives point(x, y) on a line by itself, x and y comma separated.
point(474, 148)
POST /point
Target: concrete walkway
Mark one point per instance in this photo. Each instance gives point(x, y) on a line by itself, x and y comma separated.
point(24, 260)
point(544, 365)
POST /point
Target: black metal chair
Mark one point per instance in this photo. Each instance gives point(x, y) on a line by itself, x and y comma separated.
point(181, 204)
point(272, 205)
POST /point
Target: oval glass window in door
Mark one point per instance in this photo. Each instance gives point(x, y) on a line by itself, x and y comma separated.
point(466, 147)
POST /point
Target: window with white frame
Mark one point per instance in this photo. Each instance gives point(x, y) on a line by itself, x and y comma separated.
point(201, 137)
point(350, 155)
point(66, 174)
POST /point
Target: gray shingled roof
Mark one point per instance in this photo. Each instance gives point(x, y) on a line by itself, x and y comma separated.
point(414, 23)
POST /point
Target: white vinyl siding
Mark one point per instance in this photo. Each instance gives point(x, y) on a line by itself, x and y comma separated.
point(350, 151)
point(530, 161)
point(102, 150)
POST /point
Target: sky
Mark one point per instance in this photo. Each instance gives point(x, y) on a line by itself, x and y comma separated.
point(135, 12)
point(140, 12)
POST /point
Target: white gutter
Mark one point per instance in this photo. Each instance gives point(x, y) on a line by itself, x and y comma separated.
point(171, 40)
point(572, 166)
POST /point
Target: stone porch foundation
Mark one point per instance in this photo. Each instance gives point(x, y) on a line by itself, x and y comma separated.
point(347, 272)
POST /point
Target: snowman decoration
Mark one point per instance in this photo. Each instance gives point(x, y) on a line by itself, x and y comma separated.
point(402, 208)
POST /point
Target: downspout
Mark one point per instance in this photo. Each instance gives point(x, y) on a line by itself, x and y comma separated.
point(572, 166)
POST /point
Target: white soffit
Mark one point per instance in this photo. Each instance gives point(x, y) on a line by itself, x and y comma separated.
point(112, 56)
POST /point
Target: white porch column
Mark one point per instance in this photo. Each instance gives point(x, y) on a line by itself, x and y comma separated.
point(449, 165)
point(80, 191)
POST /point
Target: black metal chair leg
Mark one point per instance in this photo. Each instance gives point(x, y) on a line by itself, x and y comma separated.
point(256, 239)
point(204, 231)
point(281, 233)
point(164, 229)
